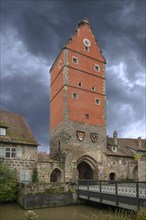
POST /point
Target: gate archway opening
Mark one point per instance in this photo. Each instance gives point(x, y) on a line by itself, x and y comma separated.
point(56, 176)
point(85, 171)
point(112, 176)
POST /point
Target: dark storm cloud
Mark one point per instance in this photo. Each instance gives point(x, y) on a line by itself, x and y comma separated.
point(27, 95)
point(43, 28)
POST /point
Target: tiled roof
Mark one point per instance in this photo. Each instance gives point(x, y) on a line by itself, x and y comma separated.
point(43, 156)
point(127, 147)
point(17, 129)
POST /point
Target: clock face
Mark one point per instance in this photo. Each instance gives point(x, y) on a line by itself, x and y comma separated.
point(86, 42)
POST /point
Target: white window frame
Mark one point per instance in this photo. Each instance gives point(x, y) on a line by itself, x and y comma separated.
point(12, 151)
point(75, 95)
point(97, 101)
point(97, 68)
point(114, 149)
point(3, 131)
point(74, 60)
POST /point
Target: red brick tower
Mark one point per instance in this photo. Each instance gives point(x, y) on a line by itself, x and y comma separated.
point(77, 105)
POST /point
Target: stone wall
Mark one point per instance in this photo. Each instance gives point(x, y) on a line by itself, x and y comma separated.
point(41, 195)
point(24, 163)
point(45, 169)
point(66, 147)
point(142, 169)
point(121, 166)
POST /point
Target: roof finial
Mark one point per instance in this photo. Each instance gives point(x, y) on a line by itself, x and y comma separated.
point(85, 20)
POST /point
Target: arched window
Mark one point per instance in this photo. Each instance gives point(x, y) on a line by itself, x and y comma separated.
point(56, 176)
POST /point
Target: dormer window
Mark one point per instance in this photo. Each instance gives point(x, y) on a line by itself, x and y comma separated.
point(114, 148)
point(3, 131)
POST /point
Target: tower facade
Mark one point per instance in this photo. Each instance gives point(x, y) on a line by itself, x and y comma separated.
point(77, 107)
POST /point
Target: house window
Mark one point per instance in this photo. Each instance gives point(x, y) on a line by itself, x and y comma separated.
point(74, 95)
point(10, 152)
point(3, 131)
point(97, 101)
point(97, 68)
point(87, 116)
point(75, 60)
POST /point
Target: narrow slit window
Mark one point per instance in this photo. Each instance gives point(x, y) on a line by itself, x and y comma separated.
point(59, 64)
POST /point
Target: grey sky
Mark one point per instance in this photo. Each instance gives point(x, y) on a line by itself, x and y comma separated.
point(32, 35)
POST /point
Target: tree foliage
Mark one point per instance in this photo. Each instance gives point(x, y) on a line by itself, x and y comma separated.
point(8, 184)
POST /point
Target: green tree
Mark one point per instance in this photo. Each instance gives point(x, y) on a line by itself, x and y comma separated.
point(138, 156)
point(8, 184)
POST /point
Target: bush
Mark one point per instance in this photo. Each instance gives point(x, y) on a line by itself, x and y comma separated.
point(8, 184)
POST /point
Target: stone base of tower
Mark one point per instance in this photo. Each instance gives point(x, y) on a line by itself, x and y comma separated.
point(80, 150)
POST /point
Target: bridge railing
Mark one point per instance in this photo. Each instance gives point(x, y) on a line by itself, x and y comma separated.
point(118, 191)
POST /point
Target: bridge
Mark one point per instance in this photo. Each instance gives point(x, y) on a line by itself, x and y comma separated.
point(128, 195)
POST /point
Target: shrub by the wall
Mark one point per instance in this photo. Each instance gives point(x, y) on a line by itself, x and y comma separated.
point(8, 184)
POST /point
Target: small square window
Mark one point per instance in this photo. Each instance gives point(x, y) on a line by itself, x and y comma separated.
point(74, 95)
point(75, 60)
point(87, 116)
point(97, 68)
point(3, 131)
point(114, 148)
point(86, 48)
point(97, 101)
point(93, 88)
point(79, 84)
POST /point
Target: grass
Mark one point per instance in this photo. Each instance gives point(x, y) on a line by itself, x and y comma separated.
point(117, 215)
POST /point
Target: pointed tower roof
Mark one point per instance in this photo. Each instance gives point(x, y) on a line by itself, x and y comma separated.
point(84, 32)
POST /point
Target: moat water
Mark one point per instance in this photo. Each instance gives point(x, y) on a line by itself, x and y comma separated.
point(76, 212)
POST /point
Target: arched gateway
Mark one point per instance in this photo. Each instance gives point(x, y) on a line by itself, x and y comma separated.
point(85, 171)
point(86, 168)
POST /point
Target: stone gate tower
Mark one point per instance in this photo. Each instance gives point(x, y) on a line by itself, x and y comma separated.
point(77, 107)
